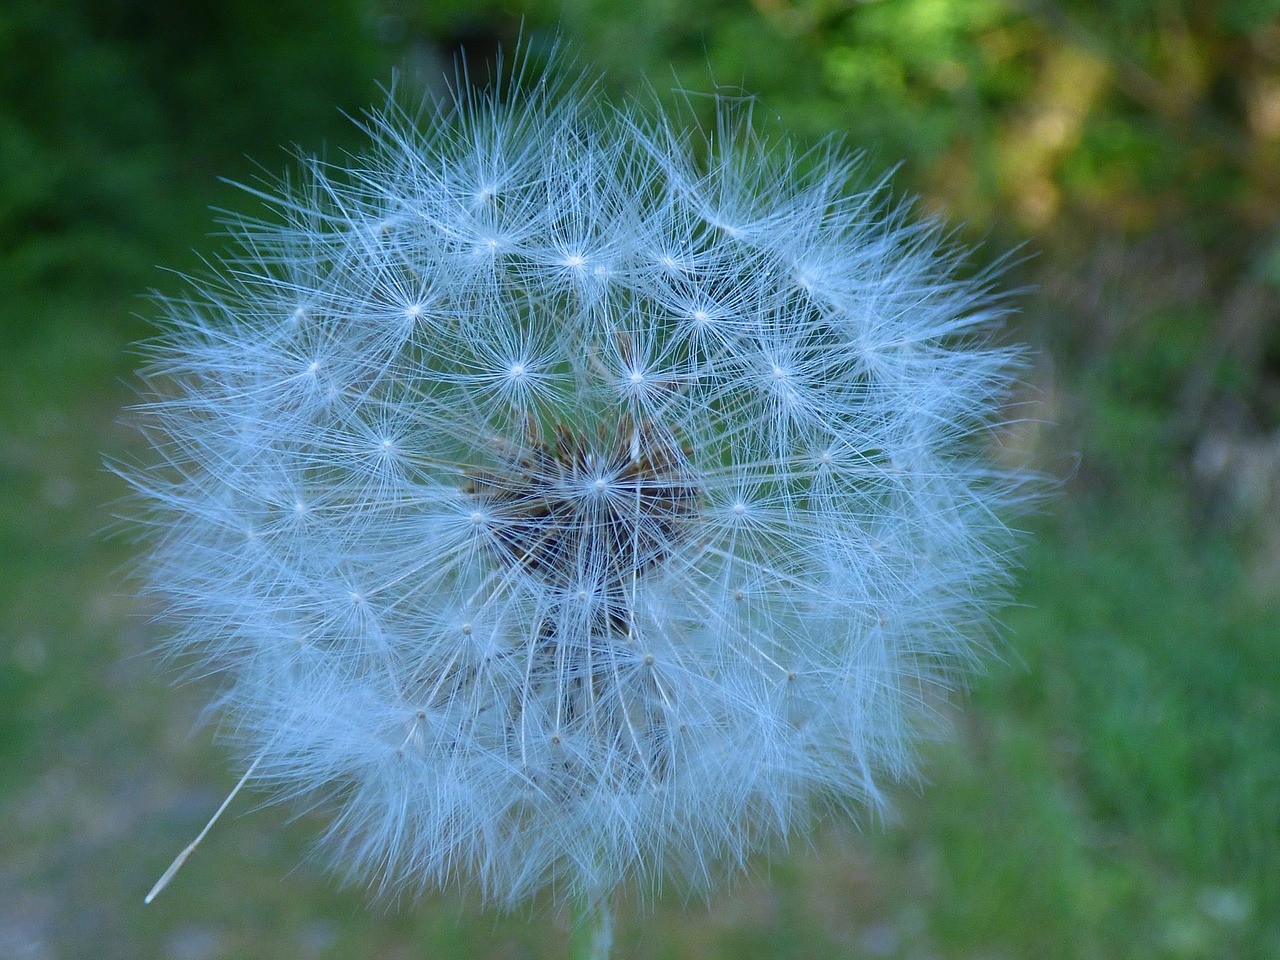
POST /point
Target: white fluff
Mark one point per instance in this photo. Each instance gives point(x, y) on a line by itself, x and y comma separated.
point(570, 499)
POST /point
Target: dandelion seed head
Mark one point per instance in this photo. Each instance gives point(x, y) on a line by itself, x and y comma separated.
point(570, 498)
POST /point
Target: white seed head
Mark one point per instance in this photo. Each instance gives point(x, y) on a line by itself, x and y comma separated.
point(565, 538)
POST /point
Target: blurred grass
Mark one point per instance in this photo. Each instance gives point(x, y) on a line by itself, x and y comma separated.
point(1113, 786)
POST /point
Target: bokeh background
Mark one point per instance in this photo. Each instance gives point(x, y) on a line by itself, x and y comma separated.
point(1112, 788)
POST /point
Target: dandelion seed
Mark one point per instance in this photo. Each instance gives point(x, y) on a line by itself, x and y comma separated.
point(598, 570)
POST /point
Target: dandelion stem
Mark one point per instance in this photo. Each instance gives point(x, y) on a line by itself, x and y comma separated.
point(591, 933)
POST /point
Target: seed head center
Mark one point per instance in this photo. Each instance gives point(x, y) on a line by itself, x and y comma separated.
point(572, 510)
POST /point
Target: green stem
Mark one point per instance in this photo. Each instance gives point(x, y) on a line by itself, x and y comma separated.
point(591, 933)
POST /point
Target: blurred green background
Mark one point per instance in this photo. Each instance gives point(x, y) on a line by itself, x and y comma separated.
point(1113, 785)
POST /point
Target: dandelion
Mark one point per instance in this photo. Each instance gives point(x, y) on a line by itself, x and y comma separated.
point(571, 499)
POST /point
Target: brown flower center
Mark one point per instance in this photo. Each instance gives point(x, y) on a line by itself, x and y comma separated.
point(589, 516)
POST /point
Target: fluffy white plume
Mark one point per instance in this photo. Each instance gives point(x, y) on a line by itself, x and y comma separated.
point(569, 498)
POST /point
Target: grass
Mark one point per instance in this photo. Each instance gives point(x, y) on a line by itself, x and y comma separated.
point(1120, 794)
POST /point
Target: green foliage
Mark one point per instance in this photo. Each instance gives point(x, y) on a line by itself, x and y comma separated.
point(143, 102)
